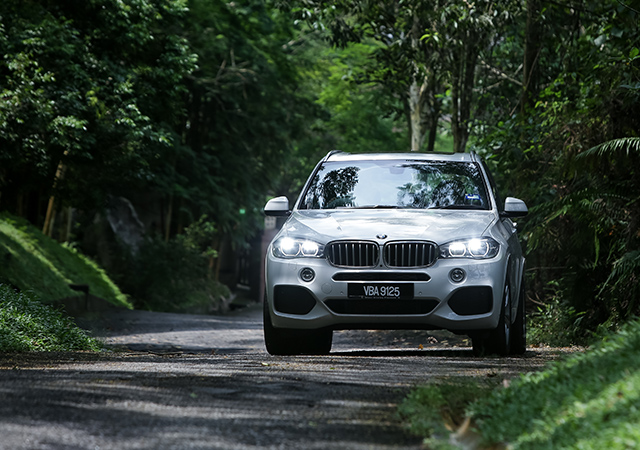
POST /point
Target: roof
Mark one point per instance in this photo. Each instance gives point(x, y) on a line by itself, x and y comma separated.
point(413, 156)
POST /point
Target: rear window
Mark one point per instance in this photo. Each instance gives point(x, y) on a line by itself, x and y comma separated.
point(396, 184)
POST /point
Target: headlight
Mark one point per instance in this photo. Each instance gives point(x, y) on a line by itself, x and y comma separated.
point(288, 247)
point(481, 248)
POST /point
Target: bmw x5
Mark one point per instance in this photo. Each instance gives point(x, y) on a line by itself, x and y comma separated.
point(396, 241)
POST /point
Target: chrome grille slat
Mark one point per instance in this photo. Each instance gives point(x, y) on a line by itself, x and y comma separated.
point(353, 253)
point(403, 254)
point(409, 254)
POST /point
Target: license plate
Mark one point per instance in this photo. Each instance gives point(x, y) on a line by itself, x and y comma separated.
point(380, 290)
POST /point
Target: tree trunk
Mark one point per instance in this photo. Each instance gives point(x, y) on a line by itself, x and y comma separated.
point(167, 229)
point(414, 99)
point(49, 217)
point(416, 105)
point(455, 103)
point(463, 82)
point(421, 117)
point(532, 45)
point(214, 261)
point(51, 211)
point(433, 130)
point(69, 224)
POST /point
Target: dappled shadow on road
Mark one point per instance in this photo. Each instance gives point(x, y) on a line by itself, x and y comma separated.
point(444, 352)
point(145, 331)
point(117, 321)
point(146, 402)
point(451, 352)
point(240, 332)
point(346, 399)
point(206, 382)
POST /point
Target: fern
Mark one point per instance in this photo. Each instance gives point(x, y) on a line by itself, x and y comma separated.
point(625, 272)
point(628, 144)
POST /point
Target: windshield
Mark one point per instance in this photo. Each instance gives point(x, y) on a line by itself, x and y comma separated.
point(396, 184)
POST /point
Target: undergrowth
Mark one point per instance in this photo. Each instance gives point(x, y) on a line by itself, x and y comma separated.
point(176, 275)
point(171, 277)
point(434, 410)
point(26, 324)
point(589, 401)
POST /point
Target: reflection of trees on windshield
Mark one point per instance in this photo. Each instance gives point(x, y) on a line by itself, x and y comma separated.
point(445, 193)
point(443, 185)
point(333, 189)
point(393, 184)
point(414, 195)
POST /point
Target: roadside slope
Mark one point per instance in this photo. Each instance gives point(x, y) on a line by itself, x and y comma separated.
point(589, 401)
point(33, 262)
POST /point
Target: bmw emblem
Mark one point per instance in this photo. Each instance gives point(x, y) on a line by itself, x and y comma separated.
point(381, 236)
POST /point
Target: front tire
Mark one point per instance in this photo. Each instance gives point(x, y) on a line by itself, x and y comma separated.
point(284, 341)
point(499, 340)
point(519, 333)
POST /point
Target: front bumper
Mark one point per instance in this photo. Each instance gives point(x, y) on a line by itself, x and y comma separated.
point(438, 302)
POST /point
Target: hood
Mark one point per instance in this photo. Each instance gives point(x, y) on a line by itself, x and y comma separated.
point(438, 226)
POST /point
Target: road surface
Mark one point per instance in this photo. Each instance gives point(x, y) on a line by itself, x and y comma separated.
point(176, 381)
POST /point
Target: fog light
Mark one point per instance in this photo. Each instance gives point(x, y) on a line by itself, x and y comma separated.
point(307, 274)
point(457, 275)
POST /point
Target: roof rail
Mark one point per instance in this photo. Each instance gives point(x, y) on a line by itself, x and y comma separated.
point(331, 153)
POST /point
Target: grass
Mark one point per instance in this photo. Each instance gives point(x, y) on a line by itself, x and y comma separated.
point(590, 400)
point(26, 324)
point(33, 262)
point(434, 410)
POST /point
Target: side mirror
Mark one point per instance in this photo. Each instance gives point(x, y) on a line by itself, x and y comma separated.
point(277, 207)
point(514, 207)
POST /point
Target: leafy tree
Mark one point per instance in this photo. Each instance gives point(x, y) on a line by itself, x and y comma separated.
point(581, 89)
point(428, 51)
point(360, 117)
point(89, 89)
point(243, 113)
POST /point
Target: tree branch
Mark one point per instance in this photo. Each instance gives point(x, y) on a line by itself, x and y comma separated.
point(501, 74)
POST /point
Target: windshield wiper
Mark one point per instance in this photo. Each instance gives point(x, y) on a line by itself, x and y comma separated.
point(458, 207)
point(378, 207)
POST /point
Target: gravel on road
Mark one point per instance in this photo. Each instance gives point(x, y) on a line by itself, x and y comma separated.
point(177, 381)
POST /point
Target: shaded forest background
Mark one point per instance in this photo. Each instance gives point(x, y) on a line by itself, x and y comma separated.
point(185, 116)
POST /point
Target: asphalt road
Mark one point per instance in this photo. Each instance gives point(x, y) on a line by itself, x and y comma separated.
point(205, 382)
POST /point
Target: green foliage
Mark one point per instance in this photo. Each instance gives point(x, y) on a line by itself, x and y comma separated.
point(28, 325)
point(588, 401)
point(426, 54)
point(91, 85)
point(610, 147)
point(556, 323)
point(361, 118)
point(244, 113)
point(175, 276)
point(351, 114)
point(581, 233)
point(110, 93)
point(36, 263)
point(422, 410)
point(199, 237)
point(432, 411)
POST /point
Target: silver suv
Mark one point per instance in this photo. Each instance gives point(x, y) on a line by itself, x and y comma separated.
point(396, 241)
